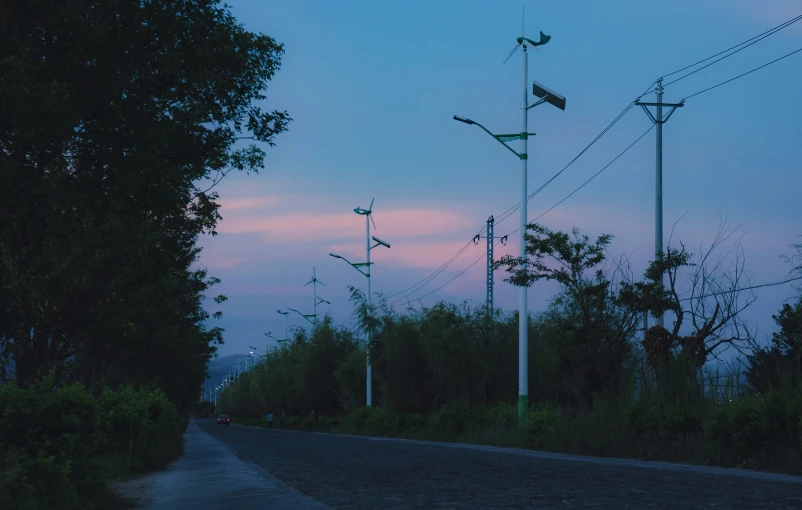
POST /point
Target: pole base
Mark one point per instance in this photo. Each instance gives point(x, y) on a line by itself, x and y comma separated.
point(523, 407)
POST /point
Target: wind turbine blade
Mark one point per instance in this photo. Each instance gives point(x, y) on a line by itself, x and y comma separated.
point(323, 284)
point(372, 221)
point(511, 53)
point(523, 18)
point(371, 204)
point(307, 283)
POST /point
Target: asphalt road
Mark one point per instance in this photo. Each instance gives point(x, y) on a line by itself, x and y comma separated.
point(210, 477)
point(346, 472)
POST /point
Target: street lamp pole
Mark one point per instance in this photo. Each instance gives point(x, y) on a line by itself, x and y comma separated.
point(285, 314)
point(357, 265)
point(545, 95)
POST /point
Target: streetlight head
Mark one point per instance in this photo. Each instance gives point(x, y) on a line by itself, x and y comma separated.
point(335, 256)
point(385, 244)
point(463, 119)
point(548, 95)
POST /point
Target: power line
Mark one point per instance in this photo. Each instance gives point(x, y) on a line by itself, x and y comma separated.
point(435, 273)
point(739, 289)
point(742, 75)
point(538, 190)
point(544, 213)
point(394, 305)
point(512, 209)
point(769, 32)
point(590, 179)
point(408, 292)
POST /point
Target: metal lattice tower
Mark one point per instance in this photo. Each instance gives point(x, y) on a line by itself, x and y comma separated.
point(490, 223)
point(490, 243)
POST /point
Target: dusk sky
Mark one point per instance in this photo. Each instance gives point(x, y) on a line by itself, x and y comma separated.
point(372, 87)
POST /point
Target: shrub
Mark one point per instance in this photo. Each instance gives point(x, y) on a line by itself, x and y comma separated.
point(142, 426)
point(453, 418)
point(409, 422)
point(539, 421)
point(502, 415)
point(649, 417)
point(761, 422)
point(50, 447)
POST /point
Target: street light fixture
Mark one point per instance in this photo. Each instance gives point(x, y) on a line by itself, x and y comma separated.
point(557, 100)
point(315, 299)
point(270, 335)
point(304, 315)
point(368, 213)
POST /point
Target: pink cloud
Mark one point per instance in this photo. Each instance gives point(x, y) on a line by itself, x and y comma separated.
point(411, 254)
point(309, 226)
point(775, 12)
point(221, 262)
point(233, 204)
point(255, 288)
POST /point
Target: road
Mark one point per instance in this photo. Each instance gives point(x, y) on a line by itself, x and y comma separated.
point(348, 472)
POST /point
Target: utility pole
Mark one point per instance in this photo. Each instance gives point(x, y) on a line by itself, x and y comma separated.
point(658, 121)
point(315, 300)
point(490, 243)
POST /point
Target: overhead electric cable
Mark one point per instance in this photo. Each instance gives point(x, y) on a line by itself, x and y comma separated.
point(742, 75)
point(542, 214)
point(752, 287)
point(761, 36)
point(409, 291)
point(436, 272)
point(587, 181)
point(394, 305)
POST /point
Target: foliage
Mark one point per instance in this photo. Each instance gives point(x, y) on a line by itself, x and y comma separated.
point(717, 291)
point(768, 366)
point(590, 322)
point(56, 443)
point(119, 119)
point(446, 372)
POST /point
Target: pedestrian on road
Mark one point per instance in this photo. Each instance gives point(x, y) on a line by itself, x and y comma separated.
point(270, 420)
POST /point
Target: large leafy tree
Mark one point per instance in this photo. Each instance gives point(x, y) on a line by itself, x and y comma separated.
point(119, 118)
point(591, 327)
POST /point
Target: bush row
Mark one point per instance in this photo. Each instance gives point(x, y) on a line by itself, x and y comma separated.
point(60, 446)
point(761, 431)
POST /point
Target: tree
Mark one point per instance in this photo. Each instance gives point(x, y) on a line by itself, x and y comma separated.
point(780, 363)
point(716, 294)
point(119, 118)
point(594, 329)
point(769, 366)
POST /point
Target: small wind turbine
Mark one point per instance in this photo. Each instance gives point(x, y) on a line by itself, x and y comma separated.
point(527, 42)
point(315, 300)
point(367, 212)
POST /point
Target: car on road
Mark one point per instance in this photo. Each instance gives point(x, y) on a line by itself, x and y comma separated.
point(223, 420)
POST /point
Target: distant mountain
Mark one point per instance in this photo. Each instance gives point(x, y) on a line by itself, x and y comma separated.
point(219, 368)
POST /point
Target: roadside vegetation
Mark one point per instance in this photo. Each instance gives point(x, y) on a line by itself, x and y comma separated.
point(597, 385)
point(119, 118)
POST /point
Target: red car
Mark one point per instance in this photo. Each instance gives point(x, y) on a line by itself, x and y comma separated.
point(223, 420)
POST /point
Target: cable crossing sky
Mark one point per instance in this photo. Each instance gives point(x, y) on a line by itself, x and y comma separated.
point(408, 292)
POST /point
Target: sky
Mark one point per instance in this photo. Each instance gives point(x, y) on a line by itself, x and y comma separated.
point(372, 88)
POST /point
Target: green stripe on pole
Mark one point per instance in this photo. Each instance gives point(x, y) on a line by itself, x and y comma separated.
point(523, 407)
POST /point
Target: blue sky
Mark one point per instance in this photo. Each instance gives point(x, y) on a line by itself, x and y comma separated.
point(372, 88)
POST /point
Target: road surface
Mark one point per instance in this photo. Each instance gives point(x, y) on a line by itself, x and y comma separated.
point(348, 472)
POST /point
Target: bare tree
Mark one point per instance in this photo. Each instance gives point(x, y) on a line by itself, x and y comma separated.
point(715, 295)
